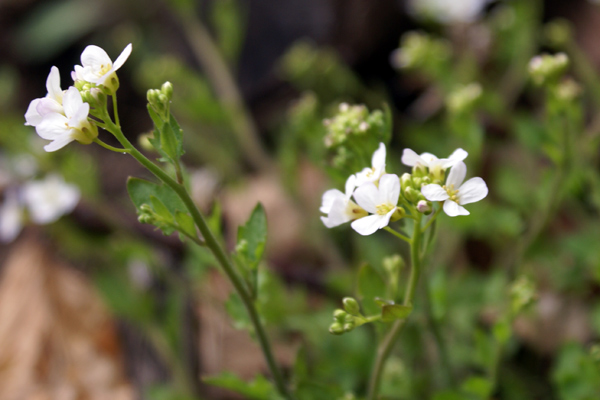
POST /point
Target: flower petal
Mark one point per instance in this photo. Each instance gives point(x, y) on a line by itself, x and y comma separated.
point(95, 57)
point(32, 116)
point(350, 186)
point(328, 198)
point(53, 85)
point(378, 159)
point(367, 225)
point(411, 158)
point(389, 189)
point(72, 102)
point(453, 209)
point(122, 57)
point(457, 156)
point(337, 215)
point(48, 106)
point(53, 126)
point(385, 219)
point(472, 190)
point(367, 196)
point(434, 192)
point(457, 175)
point(58, 143)
point(429, 159)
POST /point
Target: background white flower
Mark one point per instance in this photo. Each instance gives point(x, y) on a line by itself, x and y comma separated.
point(410, 158)
point(52, 103)
point(448, 11)
point(455, 193)
point(11, 216)
point(377, 167)
point(380, 201)
point(97, 67)
point(338, 206)
point(49, 199)
point(63, 129)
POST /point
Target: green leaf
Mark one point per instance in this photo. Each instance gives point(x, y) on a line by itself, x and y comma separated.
point(186, 223)
point(258, 389)
point(394, 312)
point(254, 233)
point(141, 191)
point(160, 209)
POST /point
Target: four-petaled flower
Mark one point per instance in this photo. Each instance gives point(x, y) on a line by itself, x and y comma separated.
point(62, 129)
point(338, 206)
point(377, 167)
point(380, 201)
point(455, 193)
point(97, 67)
point(436, 165)
point(52, 103)
point(49, 199)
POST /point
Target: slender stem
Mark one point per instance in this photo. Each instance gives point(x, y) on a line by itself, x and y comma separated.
point(115, 110)
point(432, 219)
point(398, 234)
point(385, 347)
point(218, 252)
point(111, 148)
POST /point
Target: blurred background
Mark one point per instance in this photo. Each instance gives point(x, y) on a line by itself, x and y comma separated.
point(95, 305)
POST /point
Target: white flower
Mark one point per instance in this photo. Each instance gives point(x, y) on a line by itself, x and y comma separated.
point(11, 217)
point(377, 167)
point(412, 159)
point(96, 66)
point(338, 206)
point(455, 193)
point(380, 201)
point(448, 11)
point(49, 199)
point(52, 103)
point(73, 125)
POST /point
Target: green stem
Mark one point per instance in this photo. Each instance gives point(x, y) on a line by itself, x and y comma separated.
point(385, 347)
point(111, 148)
point(433, 217)
point(397, 234)
point(218, 252)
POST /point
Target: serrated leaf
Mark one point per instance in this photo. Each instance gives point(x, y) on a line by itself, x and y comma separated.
point(254, 233)
point(390, 313)
point(258, 389)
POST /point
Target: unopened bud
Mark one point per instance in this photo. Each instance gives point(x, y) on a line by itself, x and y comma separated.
point(167, 89)
point(546, 68)
point(336, 328)
point(424, 207)
point(406, 181)
point(558, 32)
point(411, 194)
point(351, 306)
point(398, 214)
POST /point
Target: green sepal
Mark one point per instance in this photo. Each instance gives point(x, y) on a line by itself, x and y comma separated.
point(393, 312)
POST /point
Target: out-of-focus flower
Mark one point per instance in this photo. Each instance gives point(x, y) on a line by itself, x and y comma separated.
point(97, 67)
point(448, 11)
point(73, 125)
point(52, 103)
point(455, 193)
point(377, 167)
point(380, 201)
point(338, 206)
point(49, 199)
point(11, 216)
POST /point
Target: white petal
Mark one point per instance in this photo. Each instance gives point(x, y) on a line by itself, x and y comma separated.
point(378, 159)
point(32, 116)
point(337, 215)
point(11, 217)
point(457, 175)
point(53, 126)
point(458, 155)
point(389, 189)
point(72, 102)
point(385, 219)
point(472, 190)
point(48, 106)
point(58, 143)
point(411, 158)
point(367, 196)
point(95, 57)
point(53, 85)
point(453, 209)
point(429, 159)
point(434, 192)
point(122, 57)
point(367, 225)
point(350, 186)
point(328, 198)
point(79, 119)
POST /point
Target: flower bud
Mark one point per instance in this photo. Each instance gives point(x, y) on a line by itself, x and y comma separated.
point(351, 306)
point(558, 32)
point(406, 181)
point(336, 328)
point(545, 69)
point(398, 214)
point(464, 99)
point(339, 314)
point(424, 207)
point(167, 90)
point(411, 194)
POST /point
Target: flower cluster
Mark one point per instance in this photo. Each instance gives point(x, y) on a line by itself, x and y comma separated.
point(380, 198)
point(62, 116)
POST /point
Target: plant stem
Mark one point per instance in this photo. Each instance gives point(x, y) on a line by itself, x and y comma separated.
point(397, 234)
point(218, 252)
point(385, 347)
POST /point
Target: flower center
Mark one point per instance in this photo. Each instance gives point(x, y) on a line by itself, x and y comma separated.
point(453, 193)
point(383, 209)
point(104, 68)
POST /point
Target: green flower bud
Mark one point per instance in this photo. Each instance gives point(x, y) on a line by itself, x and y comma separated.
point(339, 314)
point(418, 171)
point(406, 181)
point(558, 32)
point(336, 328)
point(411, 195)
point(547, 69)
point(167, 90)
point(464, 99)
point(398, 214)
point(523, 293)
point(348, 326)
point(351, 306)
